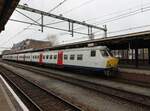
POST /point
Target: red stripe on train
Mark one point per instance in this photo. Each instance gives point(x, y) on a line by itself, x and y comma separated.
point(60, 58)
point(41, 58)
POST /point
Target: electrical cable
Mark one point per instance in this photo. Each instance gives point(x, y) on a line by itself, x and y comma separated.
point(79, 6)
point(57, 5)
point(144, 9)
point(124, 15)
point(18, 33)
point(132, 28)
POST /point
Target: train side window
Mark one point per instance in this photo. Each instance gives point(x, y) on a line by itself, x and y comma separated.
point(65, 57)
point(47, 57)
point(104, 53)
point(93, 53)
point(79, 57)
point(55, 56)
point(43, 56)
point(51, 56)
point(72, 57)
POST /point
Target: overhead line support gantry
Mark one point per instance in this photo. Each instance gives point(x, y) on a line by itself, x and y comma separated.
point(71, 22)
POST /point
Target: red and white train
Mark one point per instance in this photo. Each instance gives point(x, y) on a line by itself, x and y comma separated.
point(90, 58)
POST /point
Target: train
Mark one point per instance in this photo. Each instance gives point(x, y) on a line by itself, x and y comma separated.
point(97, 58)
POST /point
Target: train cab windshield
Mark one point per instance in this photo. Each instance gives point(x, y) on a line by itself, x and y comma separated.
point(106, 53)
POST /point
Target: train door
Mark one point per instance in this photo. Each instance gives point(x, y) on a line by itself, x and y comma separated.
point(60, 58)
point(17, 57)
point(41, 58)
point(24, 57)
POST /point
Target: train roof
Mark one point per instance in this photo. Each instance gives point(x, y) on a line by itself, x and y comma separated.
point(50, 49)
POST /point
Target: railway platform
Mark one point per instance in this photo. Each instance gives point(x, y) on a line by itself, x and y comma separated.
point(135, 70)
point(9, 101)
point(137, 74)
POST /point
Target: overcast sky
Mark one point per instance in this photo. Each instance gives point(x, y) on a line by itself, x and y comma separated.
point(116, 14)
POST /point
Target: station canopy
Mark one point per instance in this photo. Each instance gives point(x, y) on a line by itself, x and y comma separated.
point(6, 9)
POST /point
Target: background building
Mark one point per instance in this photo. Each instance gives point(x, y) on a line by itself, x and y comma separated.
point(28, 44)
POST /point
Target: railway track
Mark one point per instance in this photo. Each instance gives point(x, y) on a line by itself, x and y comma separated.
point(35, 97)
point(117, 92)
point(114, 79)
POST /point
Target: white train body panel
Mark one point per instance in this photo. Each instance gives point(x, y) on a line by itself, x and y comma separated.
point(21, 57)
point(87, 61)
point(91, 57)
point(28, 57)
point(35, 57)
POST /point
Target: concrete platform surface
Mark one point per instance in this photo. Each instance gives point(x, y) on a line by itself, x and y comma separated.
point(6, 104)
point(135, 70)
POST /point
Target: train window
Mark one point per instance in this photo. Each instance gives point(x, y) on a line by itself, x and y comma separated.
point(55, 56)
point(109, 52)
point(72, 57)
point(79, 57)
point(43, 56)
point(93, 53)
point(51, 56)
point(104, 53)
point(47, 57)
point(65, 57)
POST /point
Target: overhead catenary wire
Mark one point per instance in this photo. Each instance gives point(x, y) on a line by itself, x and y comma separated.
point(14, 36)
point(74, 8)
point(131, 13)
point(127, 29)
point(122, 12)
point(54, 8)
point(18, 33)
point(57, 5)
point(106, 22)
point(116, 31)
point(120, 16)
point(77, 7)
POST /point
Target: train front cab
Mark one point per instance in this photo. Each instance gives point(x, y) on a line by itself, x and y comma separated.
point(111, 63)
